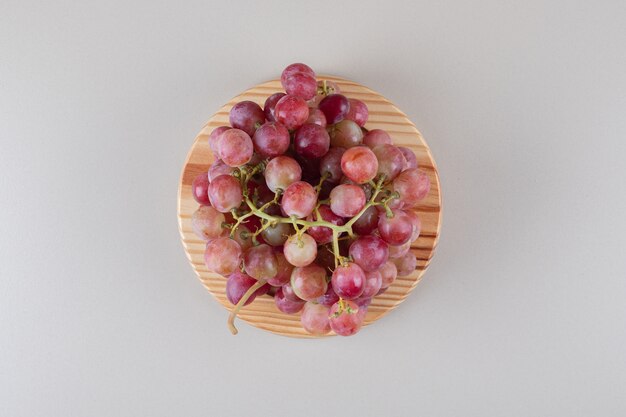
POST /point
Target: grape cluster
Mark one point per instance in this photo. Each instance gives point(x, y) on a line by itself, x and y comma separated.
point(307, 205)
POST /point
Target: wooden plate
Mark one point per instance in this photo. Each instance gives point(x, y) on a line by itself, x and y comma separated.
point(382, 115)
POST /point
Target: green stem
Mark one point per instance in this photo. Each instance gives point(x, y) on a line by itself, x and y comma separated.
point(246, 296)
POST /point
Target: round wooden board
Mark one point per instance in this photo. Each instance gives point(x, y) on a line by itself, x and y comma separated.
point(382, 115)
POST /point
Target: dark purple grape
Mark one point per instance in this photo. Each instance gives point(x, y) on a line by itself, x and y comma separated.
point(311, 141)
point(200, 188)
point(335, 107)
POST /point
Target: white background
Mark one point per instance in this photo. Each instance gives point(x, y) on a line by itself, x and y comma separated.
point(522, 313)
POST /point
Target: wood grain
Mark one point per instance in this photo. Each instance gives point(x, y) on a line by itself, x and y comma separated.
point(382, 115)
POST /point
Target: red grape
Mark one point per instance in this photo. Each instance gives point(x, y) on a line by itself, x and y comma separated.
point(285, 304)
point(309, 282)
point(417, 224)
point(388, 272)
point(217, 168)
point(335, 107)
point(282, 171)
point(277, 235)
point(358, 112)
point(409, 156)
point(222, 256)
point(235, 147)
point(376, 137)
point(238, 284)
point(345, 322)
point(291, 111)
point(271, 139)
point(289, 292)
point(294, 69)
point(329, 298)
point(225, 193)
point(413, 185)
point(405, 264)
point(316, 117)
point(260, 262)
point(270, 105)
point(283, 275)
point(346, 200)
point(200, 188)
point(373, 282)
point(348, 281)
point(314, 318)
point(345, 134)
point(359, 164)
point(214, 138)
point(390, 161)
point(398, 251)
point(300, 251)
point(330, 165)
point(311, 141)
point(207, 222)
point(323, 234)
point(299, 199)
point(367, 223)
point(301, 85)
point(243, 236)
point(396, 230)
point(247, 116)
point(369, 252)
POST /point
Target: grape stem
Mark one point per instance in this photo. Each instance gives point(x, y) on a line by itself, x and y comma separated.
point(239, 305)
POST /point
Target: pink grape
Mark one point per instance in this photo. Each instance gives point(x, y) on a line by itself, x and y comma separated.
point(348, 281)
point(238, 284)
point(206, 222)
point(329, 298)
point(345, 134)
point(409, 156)
point(300, 251)
point(323, 234)
point(270, 105)
point(396, 230)
point(335, 107)
point(299, 199)
point(235, 147)
point(217, 168)
point(309, 282)
point(284, 269)
point(388, 272)
point(289, 293)
point(200, 188)
point(214, 138)
point(347, 200)
point(358, 112)
point(260, 262)
point(330, 165)
point(277, 235)
point(225, 193)
point(316, 116)
point(345, 322)
point(291, 111)
point(390, 161)
point(282, 171)
point(311, 141)
point(413, 186)
point(222, 256)
point(367, 223)
point(243, 236)
point(285, 304)
point(416, 222)
point(294, 69)
point(399, 250)
point(246, 115)
point(376, 137)
point(301, 85)
point(405, 264)
point(373, 282)
point(359, 164)
point(271, 139)
point(314, 318)
point(369, 252)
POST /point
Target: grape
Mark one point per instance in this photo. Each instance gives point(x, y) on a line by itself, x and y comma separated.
point(348, 281)
point(309, 282)
point(405, 264)
point(238, 284)
point(222, 256)
point(311, 141)
point(235, 147)
point(243, 236)
point(345, 134)
point(316, 117)
point(345, 322)
point(367, 188)
point(300, 85)
point(359, 164)
point(329, 298)
point(299, 199)
point(282, 171)
point(347, 200)
point(325, 258)
point(390, 161)
point(283, 275)
point(260, 262)
point(376, 137)
point(358, 112)
point(270, 105)
point(294, 69)
point(396, 230)
point(200, 188)
point(369, 252)
point(217, 168)
point(399, 250)
point(300, 251)
point(247, 116)
point(291, 111)
point(214, 138)
point(417, 224)
point(367, 223)
point(330, 165)
point(314, 318)
point(271, 139)
point(323, 234)
point(277, 235)
point(207, 222)
point(388, 272)
point(373, 282)
point(289, 293)
point(335, 107)
point(413, 185)
point(363, 303)
point(409, 156)
point(225, 193)
point(285, 304)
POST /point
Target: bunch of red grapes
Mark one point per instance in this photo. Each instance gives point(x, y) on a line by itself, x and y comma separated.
point(305, 204)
